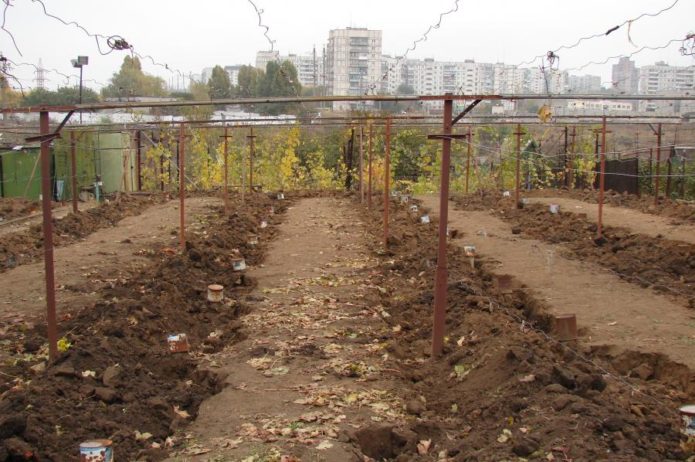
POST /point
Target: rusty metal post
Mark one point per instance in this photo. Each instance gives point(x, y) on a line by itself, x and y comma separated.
point(226, 173)
point(387, 168)
point(361, 164)
point(570, 172)
point(182, 189)
point(46, 198)
point(658, 165)
point(441, 276)
point(138, 155)
point(251, 138)
point(518, 134)
point(369, 181)
point(468, 159)
point(73, 171)
point(602, 180)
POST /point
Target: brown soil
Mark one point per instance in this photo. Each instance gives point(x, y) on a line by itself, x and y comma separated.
point(330, 358)
point(117, 380)
point(11, 208)
point(663, 265)
point(634, 220)
point(678, 211)
point(26, 246)
point(504, 388)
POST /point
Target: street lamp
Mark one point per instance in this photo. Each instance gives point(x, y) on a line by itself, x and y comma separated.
point(80, 62)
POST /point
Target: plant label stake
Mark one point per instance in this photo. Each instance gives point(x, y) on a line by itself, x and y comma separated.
point(178, 343)
point(469, 250)
point(215, 293)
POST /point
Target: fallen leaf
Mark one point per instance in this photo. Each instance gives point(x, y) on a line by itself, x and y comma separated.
point(325, 444)
point(142, 436)
point(181, 413)
point(504, 436)
point(423, 447)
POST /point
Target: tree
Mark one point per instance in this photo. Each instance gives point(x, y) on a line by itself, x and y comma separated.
point(132, 81)
point(249, 78)
point(63, 96)
point(199, 92)
point(220, 87)
point(405, 89)
point(280, 79)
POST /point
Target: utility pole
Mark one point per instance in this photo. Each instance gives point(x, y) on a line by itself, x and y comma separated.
point(251, 137)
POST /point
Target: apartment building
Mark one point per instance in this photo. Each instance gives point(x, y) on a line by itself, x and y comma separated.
point(353, 62)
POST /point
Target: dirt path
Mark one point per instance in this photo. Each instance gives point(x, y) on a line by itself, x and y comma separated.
point(103, 257)
point(611, 311)
point(312, 368)
point(634, 220)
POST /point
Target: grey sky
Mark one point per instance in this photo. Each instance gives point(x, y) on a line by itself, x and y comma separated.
point(190, 35)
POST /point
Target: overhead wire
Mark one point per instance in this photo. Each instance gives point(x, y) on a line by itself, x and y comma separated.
point(4, 21)
point(372, 86)
point(113, 42)
point(601, 34)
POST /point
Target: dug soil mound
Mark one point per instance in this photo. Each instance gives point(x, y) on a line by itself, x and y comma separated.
point(15, 207)
point(664, 265)
point(504, 387)
point(116, 377)
point(27, 246)
point(679, 211)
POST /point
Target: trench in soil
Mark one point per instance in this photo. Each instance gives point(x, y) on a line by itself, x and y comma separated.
point(502, 390)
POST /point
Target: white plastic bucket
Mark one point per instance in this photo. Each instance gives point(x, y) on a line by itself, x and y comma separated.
point(215, 293)
point(96, 451)
point(238, 264)
point(178, 343)
point(688, 416)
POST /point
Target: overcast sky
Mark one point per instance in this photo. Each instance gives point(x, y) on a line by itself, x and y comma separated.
point(190, 35)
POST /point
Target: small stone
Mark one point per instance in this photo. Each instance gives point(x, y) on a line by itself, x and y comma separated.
point(644, 371)
point(613, 423)
point(561, 401)
point(39, 368)
point(110, 377)
point(415, 407)
point(64, 370)
point(106, 395)
point(525, 447)
point(555, 388)
point(564, 378)
point(516, 230)
point(12, 425)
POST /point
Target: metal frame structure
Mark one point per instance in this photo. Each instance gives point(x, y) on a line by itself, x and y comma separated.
point(440, 298)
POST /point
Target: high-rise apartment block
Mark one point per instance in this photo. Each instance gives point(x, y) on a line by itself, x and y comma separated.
point(353, 61)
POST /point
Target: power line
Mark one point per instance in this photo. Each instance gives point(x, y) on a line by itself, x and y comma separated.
point(602, 34)
point(259, 12)
point(372, 86)
point(610, 58)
